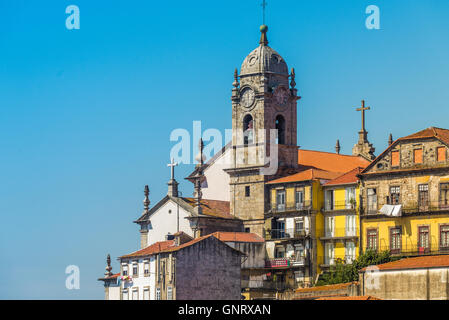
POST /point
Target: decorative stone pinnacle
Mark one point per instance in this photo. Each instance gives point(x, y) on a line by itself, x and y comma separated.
point(390, 139)
point(292, 78)
point(146, 201)
point(108, 267)
point(337, 147)
point(236, 83)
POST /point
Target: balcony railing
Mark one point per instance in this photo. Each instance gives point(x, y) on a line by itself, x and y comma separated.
point(432, 248)
point(412, 207)
point(285, 262)
point(332, 261)
point(291, 206)
point(282, 234)
point(264, 284)
point(338, 233)
point(339, 205)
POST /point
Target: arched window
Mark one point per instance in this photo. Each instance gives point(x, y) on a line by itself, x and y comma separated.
point(280, 127)
point(248, 130)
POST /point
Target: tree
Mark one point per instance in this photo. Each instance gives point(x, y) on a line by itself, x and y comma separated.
point(343, 273)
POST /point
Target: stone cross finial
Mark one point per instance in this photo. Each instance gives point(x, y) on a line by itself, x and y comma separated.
point(172, 166)
point(363, 109)
point(146, 201)
point(337, 147)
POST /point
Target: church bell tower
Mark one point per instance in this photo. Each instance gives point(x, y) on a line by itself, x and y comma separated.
point(264, 130)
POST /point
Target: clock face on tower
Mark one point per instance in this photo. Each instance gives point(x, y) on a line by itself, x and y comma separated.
point(247, 97)
point(281, 96)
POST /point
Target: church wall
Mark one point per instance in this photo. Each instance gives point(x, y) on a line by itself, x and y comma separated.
point(163, 222)
point(217, 179)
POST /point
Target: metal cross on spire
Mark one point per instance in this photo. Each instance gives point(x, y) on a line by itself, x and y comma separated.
point(172, 166)
point(363, 109)
point(264, 5)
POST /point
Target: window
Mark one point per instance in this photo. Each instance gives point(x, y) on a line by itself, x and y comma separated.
point(371, 239)
point(372, 201)
point(125, 269)
point(248, 230)
point(299, 199)
point(329, 254)
point(417, 156)
point(423, 197)
point(351, 226)
point(247, 191)
point(395, 240)
point(395, 195)
point(329, 225)
point(125, 295)
point(349, 252)
point(146, 293)
point(329, 200)
point(444, 196)
point(169, 293)
point(135, 269)
point(280, 200)
point(350, 198)
point(248, 130)
point(135, 295)
point(395, 159)
point(158, 293)
point(423, 239)
point(441, 154)
point(146, 269)
point(299, 225)
point(279, 252)
point(444, 237)
point(280, 127)
point(277, 229)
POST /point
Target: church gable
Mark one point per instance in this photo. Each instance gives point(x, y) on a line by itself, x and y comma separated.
point(425, 149)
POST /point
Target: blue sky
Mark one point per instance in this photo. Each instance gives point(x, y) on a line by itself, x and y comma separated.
point(86, 115)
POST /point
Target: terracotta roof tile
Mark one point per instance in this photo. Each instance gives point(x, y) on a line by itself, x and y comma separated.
point(415, 263)
point(326, 288)
point(349, 177)
point(432, 132)
point(213, 208)
point(152, 249)
point(332, 162)
point(307, 175)
point(222, 236)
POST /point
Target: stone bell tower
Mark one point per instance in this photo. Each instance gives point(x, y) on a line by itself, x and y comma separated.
point(264, 127)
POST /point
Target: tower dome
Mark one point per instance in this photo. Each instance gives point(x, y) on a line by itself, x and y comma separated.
point(264, 59)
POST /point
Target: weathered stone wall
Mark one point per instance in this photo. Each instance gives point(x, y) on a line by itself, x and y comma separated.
point(208, 270)
point(421, 284)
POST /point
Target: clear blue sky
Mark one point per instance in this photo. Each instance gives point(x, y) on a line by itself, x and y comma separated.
point(86, 115)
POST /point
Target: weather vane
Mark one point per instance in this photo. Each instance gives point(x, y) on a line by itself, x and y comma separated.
point(264, 5)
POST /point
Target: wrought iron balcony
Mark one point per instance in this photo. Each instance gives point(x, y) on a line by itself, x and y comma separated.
point(329, 261)
point(285, 262)
point(409, 250)
point(291, 206)
point(337, 233)
point(285, 234)
point(411, 207)
point(330, 206)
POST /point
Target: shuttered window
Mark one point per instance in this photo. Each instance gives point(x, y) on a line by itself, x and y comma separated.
point(395, 159)
point(417, 156)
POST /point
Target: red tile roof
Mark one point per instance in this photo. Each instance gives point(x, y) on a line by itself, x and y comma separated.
point(152, 249)
point(415, 263)
point(327, 288)
point(307, 175)
point(213, 208)
point(332, 162)
point(347, 178)
point(432, 132)
point(350, 298)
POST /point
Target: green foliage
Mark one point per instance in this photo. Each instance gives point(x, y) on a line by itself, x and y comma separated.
point(343, 273)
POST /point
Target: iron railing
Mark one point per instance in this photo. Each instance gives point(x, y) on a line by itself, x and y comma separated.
point(334, 260)
point(409, 207)
point(285, 262)
point(265, 284)
point(431, 248)
point(339, 205)
point(337, 232)
point(282, 234)
point(291, 206)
